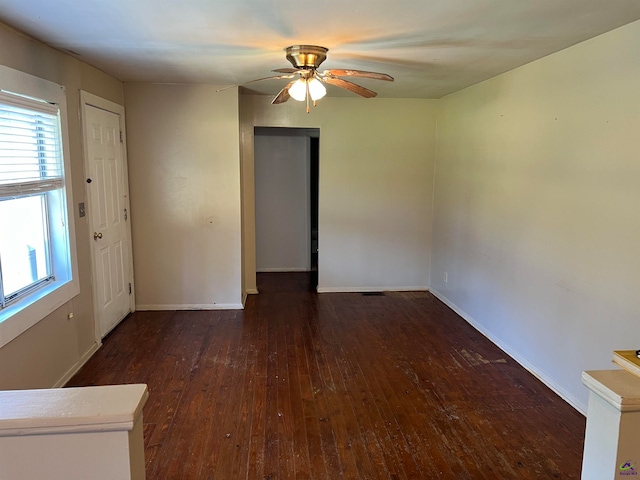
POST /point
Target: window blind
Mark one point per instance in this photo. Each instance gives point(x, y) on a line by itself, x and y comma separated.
point(30, 150)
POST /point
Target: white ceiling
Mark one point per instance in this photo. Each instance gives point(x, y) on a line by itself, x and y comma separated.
point(431, 47)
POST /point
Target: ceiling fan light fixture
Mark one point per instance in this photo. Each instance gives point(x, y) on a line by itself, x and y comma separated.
point(306, 56)
point(298, 90)
point(316, 89)
point(309, 87)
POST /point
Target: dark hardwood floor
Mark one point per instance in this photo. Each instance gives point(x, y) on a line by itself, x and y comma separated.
point(307, 386)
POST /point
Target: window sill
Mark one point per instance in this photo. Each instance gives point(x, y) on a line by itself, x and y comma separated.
point(18, 318)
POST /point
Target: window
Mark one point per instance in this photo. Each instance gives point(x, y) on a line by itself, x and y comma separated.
point(31, 181)
point(36, 247)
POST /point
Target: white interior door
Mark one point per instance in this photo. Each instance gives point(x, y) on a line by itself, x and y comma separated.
point(107, 196)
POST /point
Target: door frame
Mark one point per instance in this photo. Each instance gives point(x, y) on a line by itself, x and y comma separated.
point(308, 133)
point(89, 99)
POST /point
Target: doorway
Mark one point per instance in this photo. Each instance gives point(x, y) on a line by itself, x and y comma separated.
point(286, 200)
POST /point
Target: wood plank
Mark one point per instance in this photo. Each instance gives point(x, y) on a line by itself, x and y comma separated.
point(307, 386)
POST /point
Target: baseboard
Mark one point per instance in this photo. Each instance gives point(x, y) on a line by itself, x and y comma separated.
point(212, 306)
point(78, 365)
point(252, 291)
point(371, 289)
point(530, 367)
point(283, 270)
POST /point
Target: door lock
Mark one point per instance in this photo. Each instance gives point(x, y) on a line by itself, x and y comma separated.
point(96, 236)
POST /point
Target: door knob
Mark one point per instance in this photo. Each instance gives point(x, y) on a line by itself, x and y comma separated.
point(96, 236)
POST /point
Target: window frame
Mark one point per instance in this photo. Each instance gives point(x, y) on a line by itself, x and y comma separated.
point(22, 314)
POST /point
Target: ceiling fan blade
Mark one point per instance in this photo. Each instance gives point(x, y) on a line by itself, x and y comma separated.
point(357, 73)
point(352, 87)
point(274, 77)
point(286, 70)
point(283, 95)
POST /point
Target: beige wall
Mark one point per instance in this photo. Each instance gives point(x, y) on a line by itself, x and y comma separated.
point(184, 179)
point(283, 201)
point(46, 354)
point(536, 208)
point(376, 178)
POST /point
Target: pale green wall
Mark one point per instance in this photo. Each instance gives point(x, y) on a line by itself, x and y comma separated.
point(376, 178)
point(48, 352)
point(536, 208)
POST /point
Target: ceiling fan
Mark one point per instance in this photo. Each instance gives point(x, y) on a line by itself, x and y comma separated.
point(306, 60)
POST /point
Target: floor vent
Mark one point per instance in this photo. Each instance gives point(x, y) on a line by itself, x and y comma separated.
point(373, 294)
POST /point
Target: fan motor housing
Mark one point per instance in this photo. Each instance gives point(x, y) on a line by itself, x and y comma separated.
point(306, 56)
